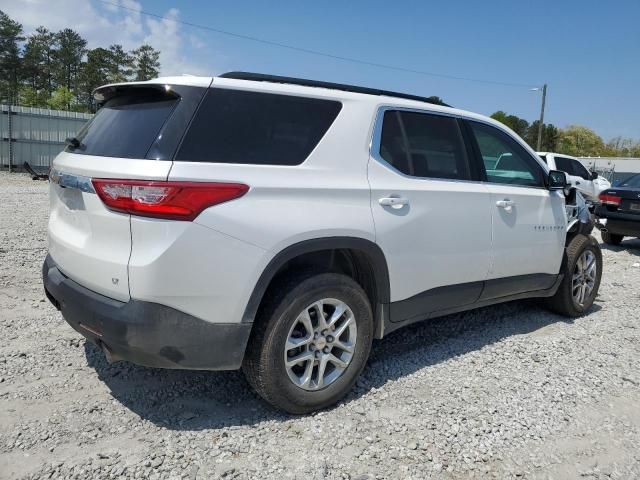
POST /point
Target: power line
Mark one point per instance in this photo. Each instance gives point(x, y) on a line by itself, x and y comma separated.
point(315, 52)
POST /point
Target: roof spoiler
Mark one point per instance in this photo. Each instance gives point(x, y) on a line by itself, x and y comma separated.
point(104, 93)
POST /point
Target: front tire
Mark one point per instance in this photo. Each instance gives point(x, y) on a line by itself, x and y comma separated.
point(611, 238)
point(311, 341)
point(582, 269)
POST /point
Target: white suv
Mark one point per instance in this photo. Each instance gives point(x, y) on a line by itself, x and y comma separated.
point(280, 225)
point(590, 184)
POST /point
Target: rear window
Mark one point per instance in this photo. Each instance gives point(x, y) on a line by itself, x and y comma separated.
point(127, 125)
point(633, 182)
point(234, 126)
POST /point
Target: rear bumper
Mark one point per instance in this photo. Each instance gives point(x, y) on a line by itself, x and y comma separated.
point(623, 227)
point(146, 333)
point(620, 223)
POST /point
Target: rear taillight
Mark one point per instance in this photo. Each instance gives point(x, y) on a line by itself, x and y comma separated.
point(610, 199)
point(168, 200)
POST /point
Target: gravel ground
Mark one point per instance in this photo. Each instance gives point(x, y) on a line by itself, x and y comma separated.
point(510, 391)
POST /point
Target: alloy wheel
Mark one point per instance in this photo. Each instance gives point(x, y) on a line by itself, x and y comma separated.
point(320, 344)
point(584, 277)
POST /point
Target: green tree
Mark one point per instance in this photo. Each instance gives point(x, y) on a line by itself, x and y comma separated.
point(94, 72)
point(550, 136)
point(517, 124)
point(437, 101)
point(580, 141)
point(30, 97)
point(10, 38)
point(622, 147)
point(38, 63)
point(146, 62)
point(68, 60)
point(120, 64)
point(61, 99)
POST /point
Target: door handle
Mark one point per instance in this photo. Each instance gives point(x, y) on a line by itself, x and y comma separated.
point(506, 204)
point(395, 202)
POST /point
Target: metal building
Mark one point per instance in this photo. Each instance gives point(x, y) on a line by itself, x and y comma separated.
point(35, 135)
point(613, 168)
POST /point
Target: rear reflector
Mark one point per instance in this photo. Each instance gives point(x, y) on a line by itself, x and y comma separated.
point(610, 199)
point(168, 200)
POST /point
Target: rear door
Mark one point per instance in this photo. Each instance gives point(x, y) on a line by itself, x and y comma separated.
point(529, 221)
point(431, 213)
point(90, 243)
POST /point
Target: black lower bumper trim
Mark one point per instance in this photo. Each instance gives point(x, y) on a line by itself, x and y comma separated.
point(623, 227)
point(146, 333)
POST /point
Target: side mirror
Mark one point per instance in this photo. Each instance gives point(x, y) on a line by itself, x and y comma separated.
point(594, 175)
point(557, 180)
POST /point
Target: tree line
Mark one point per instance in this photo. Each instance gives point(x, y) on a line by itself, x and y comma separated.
point(574, 140)
point(56, 69)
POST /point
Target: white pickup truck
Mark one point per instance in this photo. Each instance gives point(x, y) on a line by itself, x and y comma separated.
point(590, 184)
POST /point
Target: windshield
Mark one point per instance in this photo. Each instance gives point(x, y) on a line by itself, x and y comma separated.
point(127, 125)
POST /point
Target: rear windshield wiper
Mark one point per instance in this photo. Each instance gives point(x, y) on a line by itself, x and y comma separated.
point(72, 142)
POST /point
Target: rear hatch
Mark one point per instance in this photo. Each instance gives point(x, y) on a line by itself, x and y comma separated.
point(133, 136)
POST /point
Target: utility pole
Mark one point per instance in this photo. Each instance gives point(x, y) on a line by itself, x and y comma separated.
point(544, 98)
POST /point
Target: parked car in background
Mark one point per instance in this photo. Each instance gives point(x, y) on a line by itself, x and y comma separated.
point(280, 225)
point(590, 184)
point(620, 206)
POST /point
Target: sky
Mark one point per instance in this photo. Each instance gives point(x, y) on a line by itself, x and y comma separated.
point(587, 51)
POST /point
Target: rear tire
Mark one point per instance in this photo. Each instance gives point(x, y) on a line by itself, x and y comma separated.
point(269, 364)
point(580, 285)
point(611, 238)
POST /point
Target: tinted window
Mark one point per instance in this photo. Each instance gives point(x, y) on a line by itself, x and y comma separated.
point(580, 170)
point(544, 158)
point(234, 126)
point(126, 125)
point(505, 160)
point(424, 145)
point(633, 182)
point(564, 164)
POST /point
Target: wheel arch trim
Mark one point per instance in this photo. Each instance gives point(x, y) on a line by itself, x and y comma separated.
point(372, 250)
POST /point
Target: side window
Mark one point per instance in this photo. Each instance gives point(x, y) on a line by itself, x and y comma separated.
point(504, 159)
point(235, 126)
point(424, 145)
point(580, 170)
point(565, 164)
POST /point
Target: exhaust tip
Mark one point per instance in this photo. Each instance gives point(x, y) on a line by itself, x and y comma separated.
point(109, 355)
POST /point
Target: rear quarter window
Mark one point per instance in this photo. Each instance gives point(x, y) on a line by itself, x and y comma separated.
point(240, 127)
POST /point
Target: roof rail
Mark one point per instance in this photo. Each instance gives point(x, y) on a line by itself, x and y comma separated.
point(260, 77)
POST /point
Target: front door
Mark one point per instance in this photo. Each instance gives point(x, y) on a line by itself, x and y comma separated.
point(529, 221)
